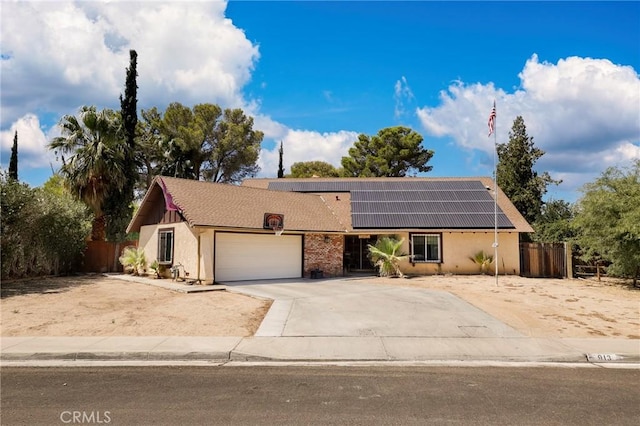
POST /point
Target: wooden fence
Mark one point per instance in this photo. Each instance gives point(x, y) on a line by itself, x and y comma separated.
point(543, 260)
point(100, 256)
point(588, 271)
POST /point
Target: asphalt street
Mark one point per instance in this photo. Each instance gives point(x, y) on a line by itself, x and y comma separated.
point(326, 395)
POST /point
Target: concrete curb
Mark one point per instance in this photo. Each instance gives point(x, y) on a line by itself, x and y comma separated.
point(320, 349)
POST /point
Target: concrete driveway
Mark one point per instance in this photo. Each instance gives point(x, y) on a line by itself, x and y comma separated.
point(352, 307)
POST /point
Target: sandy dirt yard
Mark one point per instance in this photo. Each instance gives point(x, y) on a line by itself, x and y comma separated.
point(100, 306)
point(546, 307)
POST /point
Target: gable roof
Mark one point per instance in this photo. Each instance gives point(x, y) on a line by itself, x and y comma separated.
point(232, 206)
point(396, 203)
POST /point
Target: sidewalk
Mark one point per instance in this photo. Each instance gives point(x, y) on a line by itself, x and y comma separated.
point(366, 348)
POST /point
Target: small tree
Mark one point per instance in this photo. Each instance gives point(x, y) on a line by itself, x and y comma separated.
point(608, 221)
point(385, 255)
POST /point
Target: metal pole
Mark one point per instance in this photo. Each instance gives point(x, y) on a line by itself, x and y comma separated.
point(495, 194)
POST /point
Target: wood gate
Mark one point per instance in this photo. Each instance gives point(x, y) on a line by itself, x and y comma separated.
point(543, 260)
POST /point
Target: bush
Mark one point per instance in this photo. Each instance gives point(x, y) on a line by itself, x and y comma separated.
point(43, 231)
point(483, 259)
point(385, 255)
point(134, 259)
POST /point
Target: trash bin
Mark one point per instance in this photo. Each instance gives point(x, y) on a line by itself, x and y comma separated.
point(316, 273)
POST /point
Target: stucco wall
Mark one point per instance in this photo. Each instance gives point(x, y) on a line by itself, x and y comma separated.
point(206, 256)
point(185, 245)
point(457, 247)
point(324, 252)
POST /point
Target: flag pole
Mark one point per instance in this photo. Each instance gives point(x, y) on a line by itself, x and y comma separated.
point(492, 129)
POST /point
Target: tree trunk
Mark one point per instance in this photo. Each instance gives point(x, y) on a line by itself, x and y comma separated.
point(98, 229)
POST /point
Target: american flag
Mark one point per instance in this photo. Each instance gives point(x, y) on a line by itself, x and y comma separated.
point(492, 119)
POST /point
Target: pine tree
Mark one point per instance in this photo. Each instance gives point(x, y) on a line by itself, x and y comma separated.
point(280, 168)
point(516, 175)
point(13, 163)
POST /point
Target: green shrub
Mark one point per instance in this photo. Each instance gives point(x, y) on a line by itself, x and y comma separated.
point(386, 256)
point(483, 259)
point(133, 258)
point(43, 230)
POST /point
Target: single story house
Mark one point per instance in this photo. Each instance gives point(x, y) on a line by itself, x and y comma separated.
point(289, 228)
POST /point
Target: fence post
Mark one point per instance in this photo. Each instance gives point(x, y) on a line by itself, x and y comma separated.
point(569, 260)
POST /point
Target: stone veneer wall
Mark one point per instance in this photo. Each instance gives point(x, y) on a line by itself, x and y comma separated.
point(324, 255)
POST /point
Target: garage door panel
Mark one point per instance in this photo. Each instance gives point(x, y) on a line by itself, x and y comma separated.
point(257, 256)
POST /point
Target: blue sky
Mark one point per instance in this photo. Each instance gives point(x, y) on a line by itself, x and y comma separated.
point(316, 74)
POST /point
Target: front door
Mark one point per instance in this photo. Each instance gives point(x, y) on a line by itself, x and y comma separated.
point(356, 252)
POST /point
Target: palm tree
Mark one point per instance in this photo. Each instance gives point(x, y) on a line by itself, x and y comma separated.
point(483, 259)
point(385, 255)
point(96, 164)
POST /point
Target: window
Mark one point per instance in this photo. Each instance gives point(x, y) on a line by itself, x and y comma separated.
point(425, 248)
point(165, 246)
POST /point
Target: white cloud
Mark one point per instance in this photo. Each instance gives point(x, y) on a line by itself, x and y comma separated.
point(75, 53)
point(304, 145)
point(32, 151)
point(584, 113)
point(402, 96)
point(60, 55)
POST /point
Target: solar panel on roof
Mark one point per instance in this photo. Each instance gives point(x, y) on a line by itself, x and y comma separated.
point(429, 221)
point(420, 204)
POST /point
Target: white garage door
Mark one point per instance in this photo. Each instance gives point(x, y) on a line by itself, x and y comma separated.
point(257, 256)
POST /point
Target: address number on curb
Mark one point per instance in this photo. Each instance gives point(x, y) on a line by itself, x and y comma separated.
point(603, 357)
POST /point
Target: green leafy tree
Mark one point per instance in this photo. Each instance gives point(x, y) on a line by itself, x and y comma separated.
point(307, 169)
point(151, 154)
point(554, 225)
point(608, 220)
point(181, 142)
point(200, 143)
point(393, 152)
point(94, 168)
point(13, 162)
point(516, 175)
point(232, 154)
point(118, 204)
point(386, 255)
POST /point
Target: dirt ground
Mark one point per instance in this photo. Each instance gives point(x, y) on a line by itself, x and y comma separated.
point(546, 307)
point(100, 306)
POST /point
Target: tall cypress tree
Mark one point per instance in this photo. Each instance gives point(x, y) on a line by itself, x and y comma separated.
point(516, 174)
point(119, 207)
point(280, 168)
point(13, 163)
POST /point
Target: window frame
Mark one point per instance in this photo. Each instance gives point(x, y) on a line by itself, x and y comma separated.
point(162, 231)
point(438, 235)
